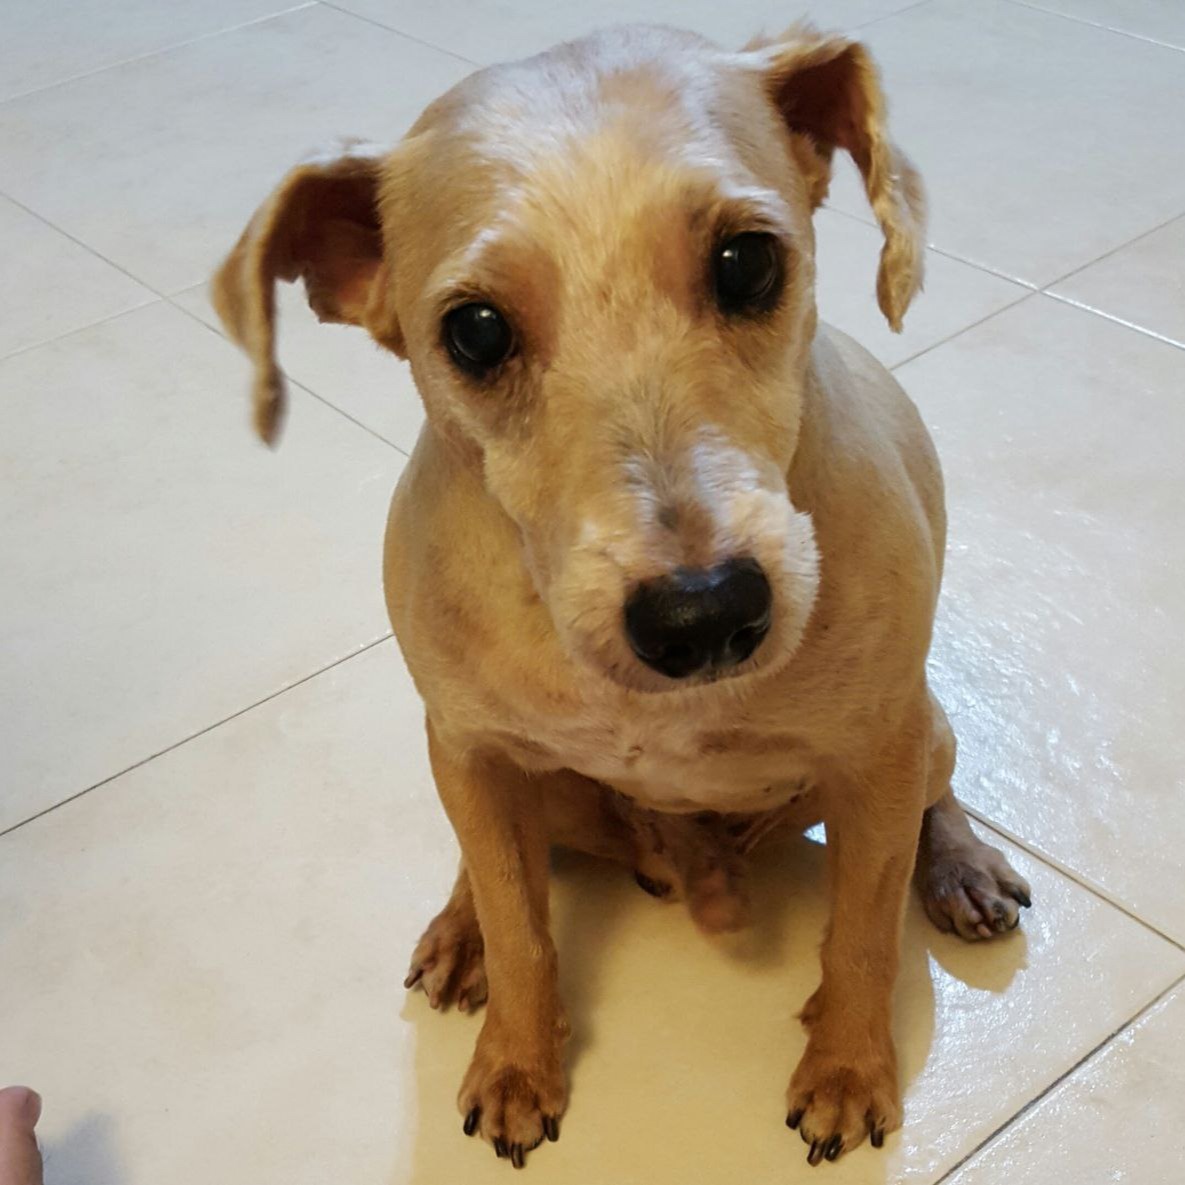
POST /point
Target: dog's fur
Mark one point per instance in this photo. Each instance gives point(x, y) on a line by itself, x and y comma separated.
point(637, 430)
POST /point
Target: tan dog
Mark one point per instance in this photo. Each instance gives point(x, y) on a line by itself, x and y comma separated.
point(664, 563)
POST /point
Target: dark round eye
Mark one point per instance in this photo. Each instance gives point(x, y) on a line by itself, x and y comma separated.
point(748, 273)
point(477, 337)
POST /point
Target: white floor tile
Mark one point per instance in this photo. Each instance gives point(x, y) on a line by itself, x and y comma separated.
point(1143, 284)
point(1061, 642)
point(159, 568)
point(46, 43)
point(207, 987)
point(1158, 20)
point(1042, 141)
point(340, 363)
point(158, 164)
point(1119, 1119)
point(956, 295)
point(484, 32)
point(52, 285)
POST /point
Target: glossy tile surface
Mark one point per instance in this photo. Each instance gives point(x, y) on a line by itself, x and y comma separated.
point(201, 957)
point(221, 971)
point(1118, 1119)
point(143, 534)
point(1060, 650)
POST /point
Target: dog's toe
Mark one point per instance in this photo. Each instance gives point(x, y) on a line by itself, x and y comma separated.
point(449, 963)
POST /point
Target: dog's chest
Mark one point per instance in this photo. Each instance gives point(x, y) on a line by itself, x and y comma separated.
point(690, 760)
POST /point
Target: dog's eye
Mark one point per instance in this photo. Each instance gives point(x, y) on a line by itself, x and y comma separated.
point(477, 337)
point(748, 273)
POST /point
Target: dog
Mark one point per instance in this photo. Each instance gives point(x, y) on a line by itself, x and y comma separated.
point(665, 560)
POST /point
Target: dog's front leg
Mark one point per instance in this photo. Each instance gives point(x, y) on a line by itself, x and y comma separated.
point(845, 1086)
point(515, 1089)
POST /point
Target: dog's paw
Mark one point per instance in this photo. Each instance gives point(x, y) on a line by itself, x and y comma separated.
point(449, 962)
point(834, 1102)
point(514, 1103)
point(973, 892)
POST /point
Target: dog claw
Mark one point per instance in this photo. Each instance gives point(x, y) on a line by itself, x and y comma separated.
point(500, 1149)
point(413, 977)
point(517, 1156)
point(794, 1119)
point(551, 1127)
point(1020, 897)
point(471, 1121)
point(834, 1148)
point(815, 1155)
point(653, 887)
point(877, 1139)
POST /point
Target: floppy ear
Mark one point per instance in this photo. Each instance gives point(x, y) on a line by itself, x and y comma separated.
point(321, 225)
point(828, 92)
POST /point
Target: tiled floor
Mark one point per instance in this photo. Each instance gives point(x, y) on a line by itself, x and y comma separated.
point(218, 836)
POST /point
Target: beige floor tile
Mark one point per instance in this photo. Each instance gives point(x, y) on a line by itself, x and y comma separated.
point(1143, 284)
point(1118, 1119)
point(1041, 140)
point(1061, 641)
point(46, 43)
point(159, 568)
point(52, 285)
point(484, 32)
point(956, 295)
point(207, 988)
point(340, 363)
point(1158, 20)
point(159, 163)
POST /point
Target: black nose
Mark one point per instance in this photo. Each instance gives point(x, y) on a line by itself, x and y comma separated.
point(693, 619)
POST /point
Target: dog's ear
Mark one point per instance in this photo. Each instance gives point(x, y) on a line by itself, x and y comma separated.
point(320, 225)
point(827, 90)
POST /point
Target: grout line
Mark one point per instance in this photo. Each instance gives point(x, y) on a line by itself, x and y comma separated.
point(1028, 295)
point(85, 246)
point(1086, 308)
point(1051, 861)
point(410, 36)
point(152, 53)
point(1057, 1082)
point(888, 16)
point(1114, 251)
point(945, 253)
point(49, 341)
point(193, 736)
point(289, 379)
point(1080, 20)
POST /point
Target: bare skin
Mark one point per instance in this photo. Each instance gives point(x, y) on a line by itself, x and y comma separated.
point(20, 1160)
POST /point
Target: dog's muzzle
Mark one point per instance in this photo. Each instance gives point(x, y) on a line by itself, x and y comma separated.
point(695, 620)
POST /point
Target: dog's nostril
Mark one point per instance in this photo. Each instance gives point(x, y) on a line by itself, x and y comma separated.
point(692, 619)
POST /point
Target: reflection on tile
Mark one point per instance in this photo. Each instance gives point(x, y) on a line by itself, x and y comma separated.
point(220, 120)
point(1041, 140)
point(485, 33)
point(1143, 284)
point(219, 979)
point(1118, 1119)
point(159, 568)
point(52, 285)
point(47, 43)
point(1061, 647)
point(955, 296)
point(340, 363)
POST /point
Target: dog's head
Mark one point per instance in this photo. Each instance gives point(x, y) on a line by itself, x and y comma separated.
point(600, 264)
